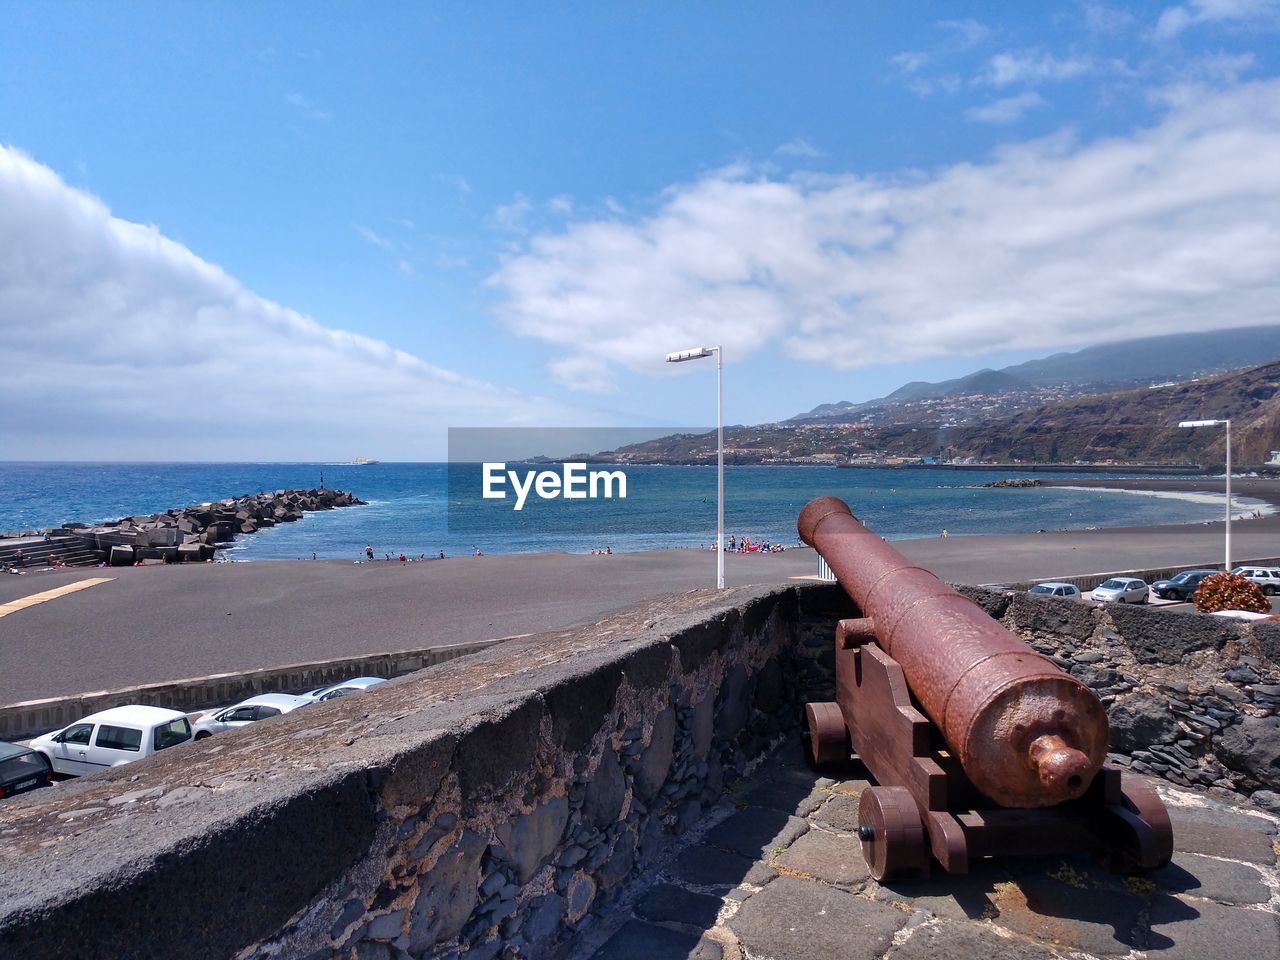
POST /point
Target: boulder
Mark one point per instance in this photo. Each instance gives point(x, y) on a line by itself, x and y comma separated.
point(121, 556)
point(1252, 747)
point(1139, 720)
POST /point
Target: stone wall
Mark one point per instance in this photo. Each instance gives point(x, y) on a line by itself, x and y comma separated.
point(1192, 698)
point(492, 805)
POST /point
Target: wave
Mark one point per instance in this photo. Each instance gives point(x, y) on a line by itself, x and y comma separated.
point(1242, 507)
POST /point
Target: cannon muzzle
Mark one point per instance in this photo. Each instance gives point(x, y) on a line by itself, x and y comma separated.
point(1026, 733)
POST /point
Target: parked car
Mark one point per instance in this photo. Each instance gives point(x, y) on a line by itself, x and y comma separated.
point(1268, 578)
point(1181, 586)
point(1121, 590)
point(22, 769)
point(1055, 590)
point(336, 690)
point(261, 707)
point(112, 737)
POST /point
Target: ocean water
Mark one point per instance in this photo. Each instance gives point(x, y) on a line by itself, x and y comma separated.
point(410, 508)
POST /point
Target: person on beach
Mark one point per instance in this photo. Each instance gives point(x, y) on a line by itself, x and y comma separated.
point(368, 551)
point(18, 558)
point(441, 553)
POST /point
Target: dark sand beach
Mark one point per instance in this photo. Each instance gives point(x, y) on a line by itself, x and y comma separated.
point(164, 623)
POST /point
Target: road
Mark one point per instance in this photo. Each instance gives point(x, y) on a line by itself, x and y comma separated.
point(151, 624)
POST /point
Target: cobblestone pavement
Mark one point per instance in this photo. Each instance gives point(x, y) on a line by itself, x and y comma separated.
point(777, 872)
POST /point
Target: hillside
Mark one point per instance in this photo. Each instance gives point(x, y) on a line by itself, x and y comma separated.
point(1133, 426)
point(1093, 370)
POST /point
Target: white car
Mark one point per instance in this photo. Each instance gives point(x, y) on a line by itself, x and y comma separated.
point(261, 707)
point(1055, 590)
point(112, 737)
point(1268, 578)
point(336, 690)
point(1121, 590)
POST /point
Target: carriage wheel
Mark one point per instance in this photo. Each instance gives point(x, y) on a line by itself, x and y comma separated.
point(826, 740)
point(893, 840)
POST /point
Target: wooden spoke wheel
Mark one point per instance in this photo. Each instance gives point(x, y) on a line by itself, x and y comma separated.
point(826, 740)
point(893, 839)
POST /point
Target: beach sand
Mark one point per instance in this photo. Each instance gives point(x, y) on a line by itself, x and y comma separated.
point(163, 623)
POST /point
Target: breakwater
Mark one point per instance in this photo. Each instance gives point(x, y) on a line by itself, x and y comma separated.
point(185, 533)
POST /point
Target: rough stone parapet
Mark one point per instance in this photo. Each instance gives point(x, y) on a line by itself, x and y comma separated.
point(497, 804)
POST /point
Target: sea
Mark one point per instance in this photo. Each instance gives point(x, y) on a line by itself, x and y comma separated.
point(409, 507)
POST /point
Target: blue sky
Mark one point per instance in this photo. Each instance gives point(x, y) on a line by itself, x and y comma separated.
point(520, 208)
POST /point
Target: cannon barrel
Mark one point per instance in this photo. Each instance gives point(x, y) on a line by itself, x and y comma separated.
point(1026, 733)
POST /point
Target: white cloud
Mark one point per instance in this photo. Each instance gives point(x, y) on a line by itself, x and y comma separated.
point(965, 33)
point(305, 106)
point(910, 61)
point(562, 205)
point(374, 238)
point(798, 148)
point(511, 216)
point(1031, 66)
point(1174, 20)
point(584, 373)
point(1007, 109)
point(120, 343)
point(1048, 244)
point(1099, 18)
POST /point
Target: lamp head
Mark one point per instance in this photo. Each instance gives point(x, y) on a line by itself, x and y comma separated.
point(693, 353)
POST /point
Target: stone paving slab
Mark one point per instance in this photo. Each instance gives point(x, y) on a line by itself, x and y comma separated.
point(788, 796)
point(638, 940)
point(830, 857)
point(1047, 909)
point(705, 866)
point(1195, 836)
point(839, 813)
point(757, 832)
point(800, 919)
point(942, 940)
point(667, 903)
point(791, 883)
point(1183, 928)
point(1220, 880)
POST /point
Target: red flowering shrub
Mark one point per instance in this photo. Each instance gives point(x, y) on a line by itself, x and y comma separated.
point(1230, 591)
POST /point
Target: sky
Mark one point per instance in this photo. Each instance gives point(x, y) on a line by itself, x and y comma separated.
point(237, 232)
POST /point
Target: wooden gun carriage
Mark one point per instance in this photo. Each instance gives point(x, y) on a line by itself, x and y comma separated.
point(979, 746)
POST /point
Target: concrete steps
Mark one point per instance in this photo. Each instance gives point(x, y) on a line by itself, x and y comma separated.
point(38, 552)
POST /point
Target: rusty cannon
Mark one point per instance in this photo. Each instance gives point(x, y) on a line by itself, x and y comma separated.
point(979, 745)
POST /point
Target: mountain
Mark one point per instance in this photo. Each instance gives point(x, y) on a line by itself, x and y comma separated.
point(1097, 369)
point(1130, 426)
point(985, 381)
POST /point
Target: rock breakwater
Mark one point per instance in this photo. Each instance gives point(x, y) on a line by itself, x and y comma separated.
point(194, 532)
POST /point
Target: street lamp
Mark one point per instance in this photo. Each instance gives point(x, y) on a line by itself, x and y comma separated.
point(1227, 424)
point(697, 353)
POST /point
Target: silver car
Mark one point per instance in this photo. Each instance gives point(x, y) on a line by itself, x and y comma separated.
point(1055, 589)
point(1121, 590)
point(246, 712)
point(336, 690)
point(1268, 578)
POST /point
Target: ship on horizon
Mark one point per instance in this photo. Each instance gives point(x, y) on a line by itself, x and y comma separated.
point(363, 462)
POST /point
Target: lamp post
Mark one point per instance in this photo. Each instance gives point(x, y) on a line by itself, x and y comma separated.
point(1227, 424)
point(697, 353)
